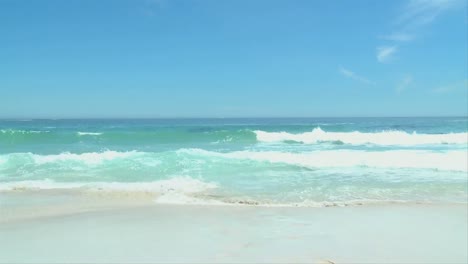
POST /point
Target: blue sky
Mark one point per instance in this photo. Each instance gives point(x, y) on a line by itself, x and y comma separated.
point(232, 58)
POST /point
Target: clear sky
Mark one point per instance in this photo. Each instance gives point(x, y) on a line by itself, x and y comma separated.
point(232, 58)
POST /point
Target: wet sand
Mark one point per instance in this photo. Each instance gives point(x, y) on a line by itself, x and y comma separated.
point(44, 227)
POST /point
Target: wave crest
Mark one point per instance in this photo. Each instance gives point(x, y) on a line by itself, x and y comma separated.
point(414, 159)
point(402, 138)
point(89, 133)
point(88, 158)
point(454, 160)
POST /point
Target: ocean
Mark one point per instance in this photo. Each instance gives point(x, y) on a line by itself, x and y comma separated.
point(255, 161)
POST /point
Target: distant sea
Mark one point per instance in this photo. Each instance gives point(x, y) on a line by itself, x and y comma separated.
point(270, 162)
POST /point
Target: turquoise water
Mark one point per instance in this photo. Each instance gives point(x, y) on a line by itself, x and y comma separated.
point(295, 161)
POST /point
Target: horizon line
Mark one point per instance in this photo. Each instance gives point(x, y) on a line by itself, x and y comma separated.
point(234, 117)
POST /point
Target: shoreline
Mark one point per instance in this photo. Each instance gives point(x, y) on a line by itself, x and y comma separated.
point(19, 204)
point(77, 228)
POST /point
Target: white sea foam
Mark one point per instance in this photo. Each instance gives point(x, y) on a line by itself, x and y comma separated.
point(359, 138)
point(417, 159)
point(225, 140)
point(85, 159)
point(45, 184)
point(11, 131)
point(179, 190)
point(182, 185)
point(173, 197)
point(88, 158)
point(89, 133)
point(453, 160)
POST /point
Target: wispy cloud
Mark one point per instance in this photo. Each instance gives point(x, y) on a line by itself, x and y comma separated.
point(350, 74)
point(404, 83)
point(385, 53)
point(399, 37)
point(417, 13)
point(458, 86)
point(413, 17)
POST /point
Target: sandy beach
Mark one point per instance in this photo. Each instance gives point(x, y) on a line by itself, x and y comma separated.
point(84, 228)
point(207, 131)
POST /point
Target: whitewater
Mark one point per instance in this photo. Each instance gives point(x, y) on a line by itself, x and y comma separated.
point(269, 162)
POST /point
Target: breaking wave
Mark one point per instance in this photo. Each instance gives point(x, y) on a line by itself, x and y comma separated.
point(454, 160)
point(89, 134)
point(416, 159)
point(402, 138)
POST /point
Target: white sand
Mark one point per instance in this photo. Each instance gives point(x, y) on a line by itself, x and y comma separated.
point(66, 227)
